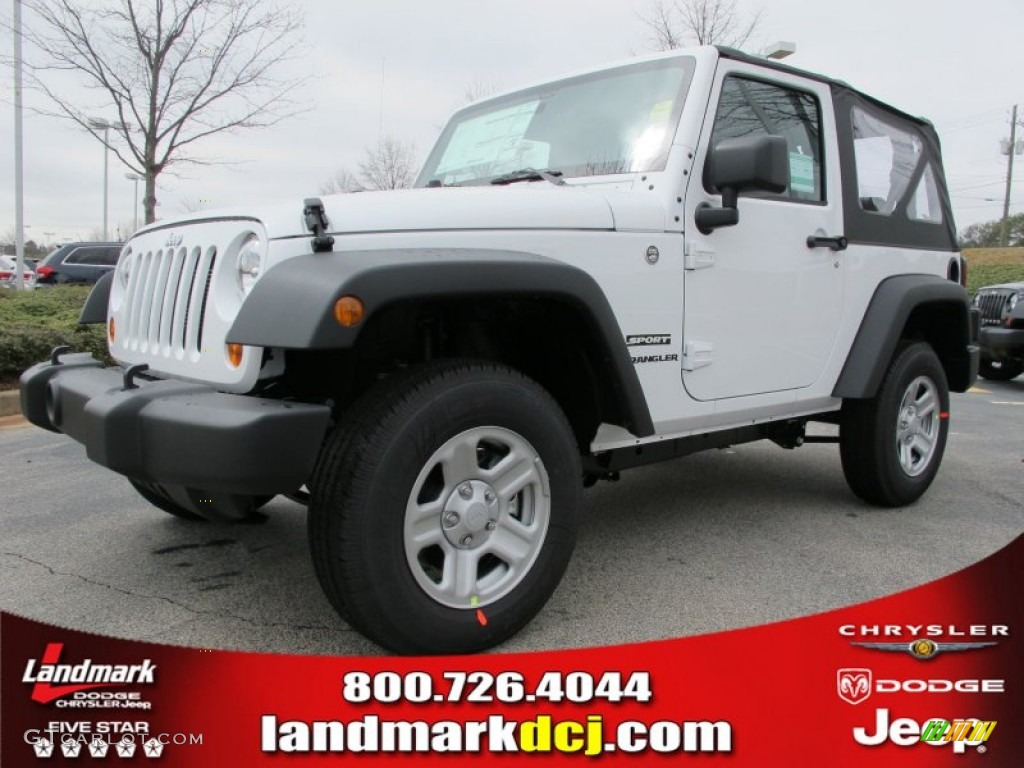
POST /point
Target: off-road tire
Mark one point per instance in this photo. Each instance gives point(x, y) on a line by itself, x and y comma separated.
point(1001, 370)
point(869, 429)
point(363, 487)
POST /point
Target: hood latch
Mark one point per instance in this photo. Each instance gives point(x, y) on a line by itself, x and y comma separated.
point(316, 222)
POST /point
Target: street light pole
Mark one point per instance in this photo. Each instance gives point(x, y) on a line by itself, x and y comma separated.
point(19, 191)
point(136, 178)
point(105, 125)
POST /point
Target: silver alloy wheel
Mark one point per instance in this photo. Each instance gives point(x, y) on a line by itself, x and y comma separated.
point(477, 517)
point(917, 426)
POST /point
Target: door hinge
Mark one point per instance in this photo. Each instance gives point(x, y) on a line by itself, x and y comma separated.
point(696, 354)
point(698, 255)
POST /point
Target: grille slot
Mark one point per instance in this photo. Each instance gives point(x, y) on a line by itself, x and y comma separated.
point(206, 296)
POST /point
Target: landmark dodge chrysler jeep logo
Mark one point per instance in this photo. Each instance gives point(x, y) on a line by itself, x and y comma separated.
point(79, 677)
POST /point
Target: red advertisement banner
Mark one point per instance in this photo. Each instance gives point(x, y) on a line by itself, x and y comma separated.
point(927, 677)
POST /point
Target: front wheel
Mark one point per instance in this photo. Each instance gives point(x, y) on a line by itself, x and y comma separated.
point(891, 445)
point(444, 508)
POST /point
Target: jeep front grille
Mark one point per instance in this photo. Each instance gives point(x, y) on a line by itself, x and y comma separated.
point(992, 304)
point(166, 300)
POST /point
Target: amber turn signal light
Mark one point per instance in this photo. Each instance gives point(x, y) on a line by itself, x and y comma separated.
point(235, 355)
point(348, 311)
point(111, 330)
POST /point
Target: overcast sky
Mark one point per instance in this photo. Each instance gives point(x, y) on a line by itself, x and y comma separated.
point(958, 63)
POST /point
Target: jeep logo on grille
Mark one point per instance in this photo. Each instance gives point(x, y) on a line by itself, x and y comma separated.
point(173, 239)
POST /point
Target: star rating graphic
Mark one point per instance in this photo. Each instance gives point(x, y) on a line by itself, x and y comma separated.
point(98, 747)
point(43, 748)
point(153, 748)
point(125, 748)
point(71, 748)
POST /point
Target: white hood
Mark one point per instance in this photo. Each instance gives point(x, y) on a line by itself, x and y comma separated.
point(525, 205)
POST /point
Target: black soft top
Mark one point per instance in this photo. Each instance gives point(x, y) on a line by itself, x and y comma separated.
point(761, 61)
point(863, 226)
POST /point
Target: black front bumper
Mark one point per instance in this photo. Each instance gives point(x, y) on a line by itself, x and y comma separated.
point(176, 433)
point(997, 342)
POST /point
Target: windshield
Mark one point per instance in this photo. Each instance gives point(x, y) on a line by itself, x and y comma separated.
point(614, 121)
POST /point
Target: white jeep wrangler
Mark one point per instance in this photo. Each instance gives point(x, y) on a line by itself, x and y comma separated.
point(682, 252)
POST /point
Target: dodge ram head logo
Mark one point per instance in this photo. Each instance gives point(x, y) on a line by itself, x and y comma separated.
point(853, 685)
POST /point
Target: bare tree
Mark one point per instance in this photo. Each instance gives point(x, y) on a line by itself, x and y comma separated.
point(190, 205)
point(478, 89)
point(342, 181)
point(173, 71)
point(391, 165)
point(675, 23)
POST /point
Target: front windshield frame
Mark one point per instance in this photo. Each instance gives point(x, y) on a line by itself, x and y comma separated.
point(507, 102)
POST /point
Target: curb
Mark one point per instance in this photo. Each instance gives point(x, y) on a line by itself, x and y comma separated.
point(10, 403)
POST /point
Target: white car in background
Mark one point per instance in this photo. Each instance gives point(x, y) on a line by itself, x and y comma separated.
point(8, 270)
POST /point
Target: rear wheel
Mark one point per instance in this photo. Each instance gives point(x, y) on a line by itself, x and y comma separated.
point(444, 508)
point(891, 445)
point(1001, 370)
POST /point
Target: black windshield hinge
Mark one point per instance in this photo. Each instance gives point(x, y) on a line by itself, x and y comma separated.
point(316, 222)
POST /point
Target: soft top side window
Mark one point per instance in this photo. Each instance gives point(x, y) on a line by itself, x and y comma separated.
point(894, 190)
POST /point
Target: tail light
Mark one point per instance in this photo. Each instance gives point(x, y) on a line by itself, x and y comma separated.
point(963, 271)
point(44, 271)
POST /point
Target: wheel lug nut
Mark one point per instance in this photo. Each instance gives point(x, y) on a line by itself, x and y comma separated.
point(466, 540)
point(451, 519)
point(489, 497)
point(466, 491)
point(491, 525)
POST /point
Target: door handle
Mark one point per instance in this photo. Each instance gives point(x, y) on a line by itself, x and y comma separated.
point(833, 243)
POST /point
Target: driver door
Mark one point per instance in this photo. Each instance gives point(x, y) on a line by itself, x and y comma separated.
point(761, 308)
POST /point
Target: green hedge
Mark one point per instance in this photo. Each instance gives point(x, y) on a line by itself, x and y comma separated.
point(34, 322)
point(980, 275)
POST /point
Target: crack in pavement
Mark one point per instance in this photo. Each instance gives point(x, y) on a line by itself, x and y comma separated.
point(190, 609)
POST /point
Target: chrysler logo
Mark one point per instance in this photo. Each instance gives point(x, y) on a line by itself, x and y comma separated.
point(173, 239)
point(853, 685)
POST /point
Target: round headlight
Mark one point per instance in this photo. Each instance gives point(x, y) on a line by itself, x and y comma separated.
point(1012, 302)
point(249, 263)
point(124, 267)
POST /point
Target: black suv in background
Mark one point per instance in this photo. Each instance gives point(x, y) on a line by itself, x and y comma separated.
point(78, 263)
point(1002, 330)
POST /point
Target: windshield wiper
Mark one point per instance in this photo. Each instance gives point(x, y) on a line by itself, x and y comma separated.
point(529, 174)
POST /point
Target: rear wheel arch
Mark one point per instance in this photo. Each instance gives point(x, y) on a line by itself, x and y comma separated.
point(909, 308)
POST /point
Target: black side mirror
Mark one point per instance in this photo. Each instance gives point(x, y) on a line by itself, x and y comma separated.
point(741, 165)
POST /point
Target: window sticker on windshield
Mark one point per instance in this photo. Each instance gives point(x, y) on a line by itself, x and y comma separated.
point(488, 140)
point(801, 172)
point(661, 111)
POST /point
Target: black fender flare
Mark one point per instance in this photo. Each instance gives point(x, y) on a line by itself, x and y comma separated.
point(95, 308)
point(292, 305)
point(890, 307)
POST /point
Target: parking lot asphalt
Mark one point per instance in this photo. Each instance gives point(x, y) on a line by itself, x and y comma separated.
point(724, 539)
